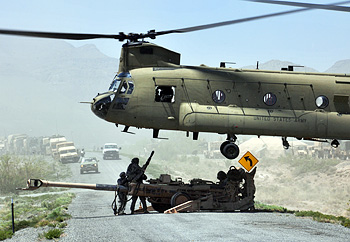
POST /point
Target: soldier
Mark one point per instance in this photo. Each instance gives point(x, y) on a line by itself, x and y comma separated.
point(222, 177)
point(82, 153)
point(123, 197)
point(136, 173)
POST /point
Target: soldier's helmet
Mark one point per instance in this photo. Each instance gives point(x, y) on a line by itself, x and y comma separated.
point(135, 160)
point(221, 175)
point(122, 174)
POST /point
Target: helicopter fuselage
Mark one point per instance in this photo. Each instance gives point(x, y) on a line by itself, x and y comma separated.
point(152, 90)
point(232, 101)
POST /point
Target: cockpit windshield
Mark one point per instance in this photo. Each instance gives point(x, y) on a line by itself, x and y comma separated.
point(115, 84)
point(117, 81)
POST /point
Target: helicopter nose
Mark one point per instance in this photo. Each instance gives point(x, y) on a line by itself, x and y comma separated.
point(101, 104)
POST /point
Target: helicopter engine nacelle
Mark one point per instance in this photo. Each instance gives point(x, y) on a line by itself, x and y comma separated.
point(142, 54)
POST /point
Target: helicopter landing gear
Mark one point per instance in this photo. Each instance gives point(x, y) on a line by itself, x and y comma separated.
point(229, 149)
point(335, 143)
point(285, 143)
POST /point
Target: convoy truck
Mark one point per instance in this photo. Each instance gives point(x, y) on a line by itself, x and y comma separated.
point(2, 147)
point(213, 150)
point(67, 152)
point(53, 142)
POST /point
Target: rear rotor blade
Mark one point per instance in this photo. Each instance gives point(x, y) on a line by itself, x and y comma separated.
point(332, 6)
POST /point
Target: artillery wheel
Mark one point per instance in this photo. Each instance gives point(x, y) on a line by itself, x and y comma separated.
point(160, 207)
point(179, 198)
point(230, 150)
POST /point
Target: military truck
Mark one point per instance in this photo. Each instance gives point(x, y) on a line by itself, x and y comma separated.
point(110, 151)
point(64, 144)
point(213, 150)
point(302, 150)
point(68, 154)
point(16, 144)
point(2, 146)
point(54, 140)
point(45, 146)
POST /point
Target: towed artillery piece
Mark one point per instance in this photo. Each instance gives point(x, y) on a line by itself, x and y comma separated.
point(234, 191)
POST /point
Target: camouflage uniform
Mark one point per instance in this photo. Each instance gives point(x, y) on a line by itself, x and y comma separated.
point(123, 197)
point(135, 173)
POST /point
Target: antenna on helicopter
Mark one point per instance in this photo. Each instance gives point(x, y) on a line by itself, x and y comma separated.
point(290, 68)
point(223, 64)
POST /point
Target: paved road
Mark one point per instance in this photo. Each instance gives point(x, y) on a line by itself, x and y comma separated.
point(93, 219)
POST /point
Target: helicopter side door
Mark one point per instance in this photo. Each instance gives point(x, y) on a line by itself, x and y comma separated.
point(167, 98)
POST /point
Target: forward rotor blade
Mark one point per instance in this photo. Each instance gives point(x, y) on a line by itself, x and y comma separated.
point(332, 6)
point(220, 24)
point(152, 34)
point(54, 35)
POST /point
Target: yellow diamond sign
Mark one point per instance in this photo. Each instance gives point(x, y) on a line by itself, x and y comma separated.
point(248, 161)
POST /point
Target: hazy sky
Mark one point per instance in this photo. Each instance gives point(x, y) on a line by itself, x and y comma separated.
point(316, 38)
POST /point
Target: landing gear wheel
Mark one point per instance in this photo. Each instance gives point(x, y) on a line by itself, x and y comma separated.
point(179, 198)
point(230, 150)
point(223, 145)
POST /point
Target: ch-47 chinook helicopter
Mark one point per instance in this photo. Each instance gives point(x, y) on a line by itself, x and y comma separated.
point(152, 90)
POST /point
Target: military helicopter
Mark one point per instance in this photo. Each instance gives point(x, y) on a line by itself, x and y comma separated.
point(153, 90)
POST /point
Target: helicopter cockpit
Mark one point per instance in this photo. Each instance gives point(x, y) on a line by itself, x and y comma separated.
point(120, 80)
point(121, 85)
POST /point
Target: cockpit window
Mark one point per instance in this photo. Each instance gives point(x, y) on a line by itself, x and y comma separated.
point(114, 85)
point(117, 81)
point(131, 87)
point(124, 74)
point(124, 87)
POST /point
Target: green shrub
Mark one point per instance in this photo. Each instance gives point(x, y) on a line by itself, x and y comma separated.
point(22, 224)
point(271, 208)
point(5, 234)
point(15, 170)
point(62, 225)
point(53, 233)
point(43, 223)
point(32, 212)
point(320, 217)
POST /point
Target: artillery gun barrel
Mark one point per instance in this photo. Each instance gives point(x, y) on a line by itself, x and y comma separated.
point(33, 184)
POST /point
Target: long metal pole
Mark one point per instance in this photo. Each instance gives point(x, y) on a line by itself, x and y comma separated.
point(13, 216)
